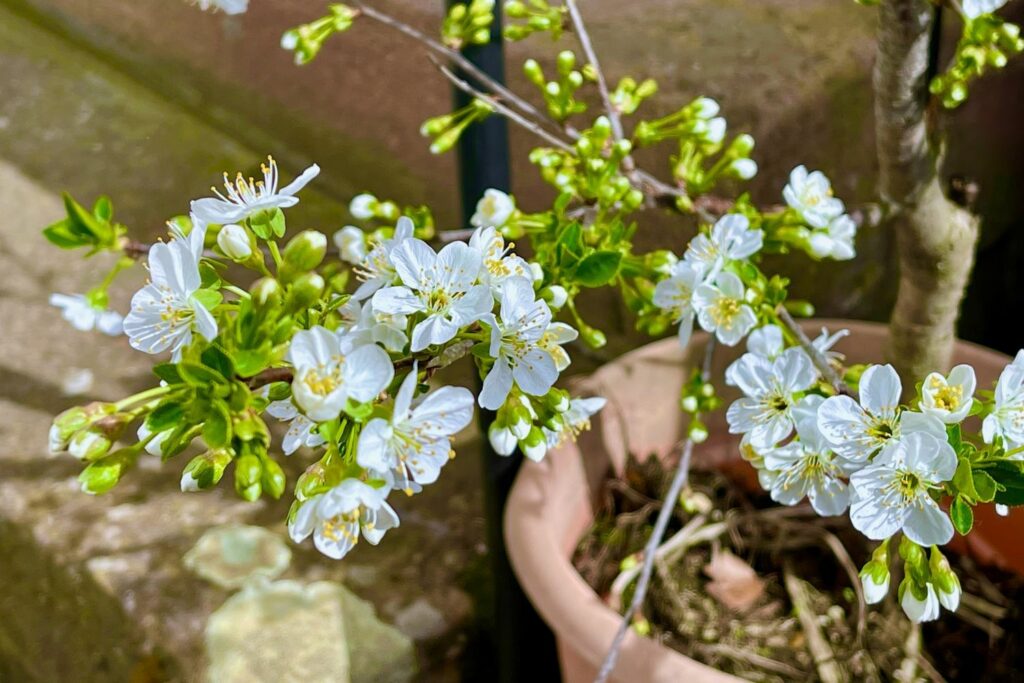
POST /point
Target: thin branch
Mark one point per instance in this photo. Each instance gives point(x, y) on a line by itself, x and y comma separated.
point(602, 85)
point(508, 113)
point(467, 66)
point(650, 550)
point(821, 652)
point(817, 357)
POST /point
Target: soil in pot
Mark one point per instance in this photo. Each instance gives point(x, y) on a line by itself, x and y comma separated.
point(771, 593)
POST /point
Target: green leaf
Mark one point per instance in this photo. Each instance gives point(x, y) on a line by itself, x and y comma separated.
point(962, 515)
point(277, 223)
point(62, 235)
point(103, 210)
point(217, 428)
point(209, 298)
point(85, 223)
point(963, 481)
point(168, 372)
point(165, 416)
point(598, 269)
point(199, 375)
point(213, 357)
point(985, 486)
point(249, 362)
point(209, 278)
point(569, 246)
point(1010, 482)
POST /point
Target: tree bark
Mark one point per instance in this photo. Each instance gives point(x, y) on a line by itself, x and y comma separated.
point(935, 237)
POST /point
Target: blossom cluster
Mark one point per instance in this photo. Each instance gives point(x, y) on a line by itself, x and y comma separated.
point(888, 464)
point(359, 363)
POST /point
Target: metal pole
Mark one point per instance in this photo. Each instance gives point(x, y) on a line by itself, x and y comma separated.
point(520, 641)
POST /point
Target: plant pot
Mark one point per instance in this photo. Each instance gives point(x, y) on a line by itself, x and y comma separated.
point(551, 505)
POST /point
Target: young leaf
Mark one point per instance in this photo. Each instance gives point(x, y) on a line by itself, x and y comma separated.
point(963, 481)
point(984, 485)
point(962, 515)
point(598, 269)
point(165, 416)
point(217, 428)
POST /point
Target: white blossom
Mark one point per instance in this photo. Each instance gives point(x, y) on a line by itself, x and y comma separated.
point(328, 371)
point(300, 428)
point(377, 269)
point(949, 398)
point(351, 244)
point(516, 346)
point(83, 316)
point(365, 325)
point(920, 609)
point(892, 493)
point(1007, 417)
point(77, 382)
point(554, 337)
point(166, 311)
point(416, 441)
point(674, 295)
point(498, 265)
point(731, 239)
point(246, 197)
point(807, 467)
point(441, 286)
point(856, 431)
point(722, 309)
point(975, 8)
point(338, 517)
point(770, 389)
point(811, 195)
point(493, 210)
point(574, 420)
point(835, 241)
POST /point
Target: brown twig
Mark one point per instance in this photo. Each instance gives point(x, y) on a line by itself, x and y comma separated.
point(821, 652)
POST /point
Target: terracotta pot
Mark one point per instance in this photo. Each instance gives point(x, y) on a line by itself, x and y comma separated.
point(552, 502)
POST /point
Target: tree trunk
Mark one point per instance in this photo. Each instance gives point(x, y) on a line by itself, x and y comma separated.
point(935, 237)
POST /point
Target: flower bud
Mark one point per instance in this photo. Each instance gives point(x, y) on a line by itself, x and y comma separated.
point(874, 578)
point(716, 131)
point(102, 475)
point(919, 602)
point(273, 480)
point(536, 271)
point(351, 243)
point(947, 584)
point(534, 445)
point(689, 404)
point(89, 444)
point(519, 421)
point(155, 445)
point(305, 291)
point(306, 250)
point(705, 107)
point(266, 292)
point(743, 168)
point(65, 426)
point(205, 471)
point(557, 400)
point(248, 472)
point(556, 296)
point(593, 337)
point(502, 440)
point(363, 207)
point(235, 242)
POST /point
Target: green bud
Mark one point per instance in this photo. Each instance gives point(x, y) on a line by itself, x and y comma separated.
point(102, 475)
point(533, 72)
point(557, 400)
point(205, 471)
point(534, 446)
point(89, 444)
point(306, 250)
point(273, 480)
point(602, 128)
point(248, 472)
point(566, 62)
point(690, 404)
point(519, 420)
point(266, 292)
point(310, 482)
point(593, 337)
point(305, 291)
point(515, 9)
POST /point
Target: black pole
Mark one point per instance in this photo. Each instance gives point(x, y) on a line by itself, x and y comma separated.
point(520, 641)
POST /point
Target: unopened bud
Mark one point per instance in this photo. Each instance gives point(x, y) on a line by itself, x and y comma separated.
point(556, 296)
point(266, 291)
point(248, 472)
point(351, 243)
point(89, 444)
point(102, 475)
point(236, 242)
point(305, 291)
point(363, 206)
point(503, 441)
point(534, 445)
point(557, 400)
point(519, 421)
point(306, 250)
point(273, 479)
point(205, 471)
